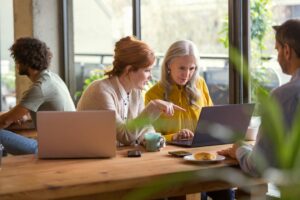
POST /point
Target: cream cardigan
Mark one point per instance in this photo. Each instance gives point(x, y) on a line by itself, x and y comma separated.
point(105, 95)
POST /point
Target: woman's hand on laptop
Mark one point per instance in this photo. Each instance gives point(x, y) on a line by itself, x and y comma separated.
point(183, 134)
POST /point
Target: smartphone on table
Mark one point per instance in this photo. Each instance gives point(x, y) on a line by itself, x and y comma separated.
point(134, 153)
point(180, 153)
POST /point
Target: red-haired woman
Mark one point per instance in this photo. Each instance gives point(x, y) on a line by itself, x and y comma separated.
point(121, 92)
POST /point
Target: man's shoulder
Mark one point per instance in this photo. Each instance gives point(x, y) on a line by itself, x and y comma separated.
point(47, 74)
point(48, 77)
point(287, 92)
point(292, 86)
point(48, 81)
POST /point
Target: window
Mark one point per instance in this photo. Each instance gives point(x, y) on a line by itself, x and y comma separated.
point(201, 21)
point(7, 73)
point(98, 24)
point(264, 66)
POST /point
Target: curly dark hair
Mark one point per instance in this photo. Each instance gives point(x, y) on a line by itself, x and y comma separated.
point(31, 52)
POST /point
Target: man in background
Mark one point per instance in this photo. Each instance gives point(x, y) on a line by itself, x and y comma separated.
point(48, 92)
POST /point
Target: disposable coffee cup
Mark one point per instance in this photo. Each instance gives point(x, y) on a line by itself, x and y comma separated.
point(251, 133)
point(253, 128)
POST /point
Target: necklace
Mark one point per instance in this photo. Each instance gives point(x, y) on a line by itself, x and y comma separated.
point(126, 106)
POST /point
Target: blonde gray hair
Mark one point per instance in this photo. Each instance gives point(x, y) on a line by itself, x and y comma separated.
point(177, 49)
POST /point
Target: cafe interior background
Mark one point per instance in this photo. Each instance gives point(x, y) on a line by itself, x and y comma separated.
point(82, 35)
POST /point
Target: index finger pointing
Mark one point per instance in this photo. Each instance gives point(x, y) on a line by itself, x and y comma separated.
point(178, 108)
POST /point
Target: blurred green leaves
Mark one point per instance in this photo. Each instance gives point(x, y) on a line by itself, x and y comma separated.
point(95, 74)
point(286, 144)
point(260, 17)
point(286, 140)
point(260, 12)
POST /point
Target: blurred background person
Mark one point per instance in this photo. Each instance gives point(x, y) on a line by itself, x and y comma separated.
point(48, 92)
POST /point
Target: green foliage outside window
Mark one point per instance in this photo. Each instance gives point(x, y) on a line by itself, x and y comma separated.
point(9, 81)
point(96, 74)
point(260, 17)
point(260, 13)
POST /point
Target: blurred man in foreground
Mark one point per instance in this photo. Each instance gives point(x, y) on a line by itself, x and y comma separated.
point(287, 96)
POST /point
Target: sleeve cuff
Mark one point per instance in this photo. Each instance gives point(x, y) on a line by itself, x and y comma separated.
point(169, 137)
point(243, 150)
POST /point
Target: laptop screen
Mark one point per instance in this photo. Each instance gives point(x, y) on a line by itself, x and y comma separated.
point(222, 124)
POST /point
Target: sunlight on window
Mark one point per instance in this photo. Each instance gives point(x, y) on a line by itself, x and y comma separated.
point(8, 96)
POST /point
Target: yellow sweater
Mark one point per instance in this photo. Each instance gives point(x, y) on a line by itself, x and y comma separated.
point(167, 125)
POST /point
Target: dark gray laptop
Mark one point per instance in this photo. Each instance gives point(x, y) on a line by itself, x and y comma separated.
point(220, 124)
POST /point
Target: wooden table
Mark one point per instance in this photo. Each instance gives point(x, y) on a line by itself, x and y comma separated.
point(26, 177)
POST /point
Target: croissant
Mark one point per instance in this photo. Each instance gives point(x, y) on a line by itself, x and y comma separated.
point(205, 156)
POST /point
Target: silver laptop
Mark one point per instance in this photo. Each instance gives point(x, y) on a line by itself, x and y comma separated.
point(220, 124)
point(82, 134)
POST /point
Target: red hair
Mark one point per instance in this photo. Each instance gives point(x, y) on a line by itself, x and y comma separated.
point(131, 51)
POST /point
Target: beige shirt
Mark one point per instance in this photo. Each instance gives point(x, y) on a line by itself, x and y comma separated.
point(107, 95)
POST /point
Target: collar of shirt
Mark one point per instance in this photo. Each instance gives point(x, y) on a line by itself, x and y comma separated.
point(296, 76)
point(45, 71)
point(124, 100)
point(177, 88)
point(124, 94)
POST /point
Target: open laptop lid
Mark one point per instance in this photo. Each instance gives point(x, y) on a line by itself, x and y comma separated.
point(222, 124)
point(83, 134)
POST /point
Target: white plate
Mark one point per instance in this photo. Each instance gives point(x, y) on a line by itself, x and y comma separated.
point(191, 158)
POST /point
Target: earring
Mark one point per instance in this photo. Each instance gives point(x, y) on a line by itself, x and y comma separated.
point(168, 71)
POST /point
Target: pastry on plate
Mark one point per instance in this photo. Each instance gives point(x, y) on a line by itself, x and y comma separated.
point(205, 156)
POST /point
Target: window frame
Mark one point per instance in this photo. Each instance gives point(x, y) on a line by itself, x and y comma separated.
point(239, 17)
point(66, 8)
point(239, 40)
